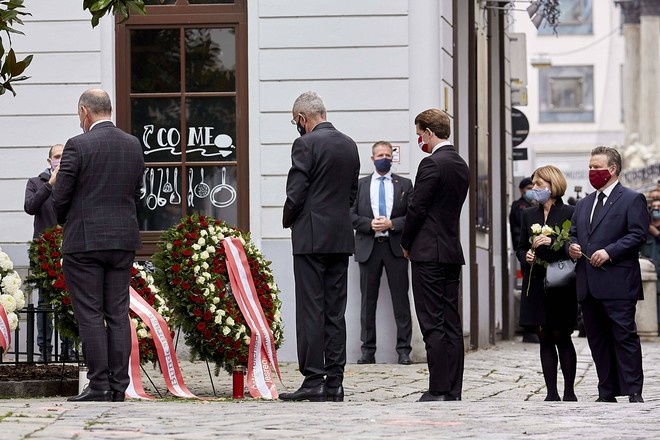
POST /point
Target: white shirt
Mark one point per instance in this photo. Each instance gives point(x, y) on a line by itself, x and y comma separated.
point(389, 196)
point(441, 144)
point(607, 191)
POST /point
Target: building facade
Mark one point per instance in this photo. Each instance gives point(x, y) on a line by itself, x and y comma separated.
point(207, 86)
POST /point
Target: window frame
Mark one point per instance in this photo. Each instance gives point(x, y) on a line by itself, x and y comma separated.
point(182, 15)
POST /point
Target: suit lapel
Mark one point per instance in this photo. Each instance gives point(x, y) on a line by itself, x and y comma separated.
point(365, 195)
point(396, 193)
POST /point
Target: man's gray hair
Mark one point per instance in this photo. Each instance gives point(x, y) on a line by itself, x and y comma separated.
point(96, 101)
point(309, 104)
point(613, 157)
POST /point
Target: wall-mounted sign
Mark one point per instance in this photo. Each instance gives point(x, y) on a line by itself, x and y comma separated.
point(519, 127)
point(520, 154)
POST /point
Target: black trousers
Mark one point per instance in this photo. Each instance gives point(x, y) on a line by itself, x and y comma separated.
point(397, 279)
point(321, 282)
point(98, 282)
point(614, 343)
point(435, 290)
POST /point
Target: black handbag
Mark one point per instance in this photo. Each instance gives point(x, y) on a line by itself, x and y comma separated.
point(559, 273)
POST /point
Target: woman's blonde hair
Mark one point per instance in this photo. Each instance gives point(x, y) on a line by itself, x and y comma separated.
point(554, 177)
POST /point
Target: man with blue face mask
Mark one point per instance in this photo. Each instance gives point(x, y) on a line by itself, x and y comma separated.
point(525, 201)
point(378, 214)
point(39, 204)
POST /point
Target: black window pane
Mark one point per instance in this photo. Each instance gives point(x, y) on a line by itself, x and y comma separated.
point(210, 60)
point(155, 61)
point(213, 192)
point(161, 198)
point(211, 135)
point(157, 123)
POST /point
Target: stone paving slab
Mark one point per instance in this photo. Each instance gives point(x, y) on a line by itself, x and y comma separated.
point(503, 399)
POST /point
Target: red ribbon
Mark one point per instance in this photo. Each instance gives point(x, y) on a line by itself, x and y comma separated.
point(262, 355)
point(169, 365)
point(5, 331)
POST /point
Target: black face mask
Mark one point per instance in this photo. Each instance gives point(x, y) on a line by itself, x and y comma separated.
point(301, 128)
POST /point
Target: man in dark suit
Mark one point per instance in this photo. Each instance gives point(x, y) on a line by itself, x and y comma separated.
point(431, 241)
point(608, 228)
point(39, 203)
point(320, 190)
point(95, 199)
point(378, 214)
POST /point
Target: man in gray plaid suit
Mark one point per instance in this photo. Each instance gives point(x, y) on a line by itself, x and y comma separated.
point(96, 196)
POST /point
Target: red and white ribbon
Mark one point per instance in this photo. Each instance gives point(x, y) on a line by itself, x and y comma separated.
point(169, 364)
point(135, 388)
point(262, 354)
point(5, 331)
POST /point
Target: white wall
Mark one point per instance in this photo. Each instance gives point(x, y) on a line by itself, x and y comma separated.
point(67, 60)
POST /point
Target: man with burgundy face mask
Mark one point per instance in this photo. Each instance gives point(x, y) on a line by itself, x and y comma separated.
point(39, 204)
point(609, 227)
point(378, 215)
point(431, 241)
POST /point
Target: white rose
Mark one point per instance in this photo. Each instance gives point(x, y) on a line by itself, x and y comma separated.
point(204, 255)
point(212, 287)
point(215, 298)
point(203, 233)
point(218, 320)
point(546, 230)
point(230, 320)
point(220, 312)
point(210, 249)
point(169, 246)
point(246, 340)
point(206, 275)
point(226, 330)
point(205, 265)
point(201, 280)
point(536, 229)
point(196, 247)
point(142, 333)
point(196, 269)
point(212, 308)
point(195, 257)
point(135, 321)
point(201, 241)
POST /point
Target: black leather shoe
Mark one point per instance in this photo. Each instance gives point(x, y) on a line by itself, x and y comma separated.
point(570, 398)
point(313, 394)
point(428, 397)
point(334, 394)
point(606, 399)
point(404, 359)
point(92, 395)
point(367, 360)
point(118, 396)
point(635, 398)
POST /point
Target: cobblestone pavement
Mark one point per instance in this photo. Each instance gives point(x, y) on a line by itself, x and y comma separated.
point(502, 399)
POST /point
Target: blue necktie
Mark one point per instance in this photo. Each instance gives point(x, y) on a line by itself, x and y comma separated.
point(382, 209)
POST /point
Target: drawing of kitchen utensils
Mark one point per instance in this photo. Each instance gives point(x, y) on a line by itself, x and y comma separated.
point(175, 198)
point(152, 200)
point(143, 190)
point(228, 199)
point(202, 189)
point(167, 188)
point(191, 195)
point(161, 200)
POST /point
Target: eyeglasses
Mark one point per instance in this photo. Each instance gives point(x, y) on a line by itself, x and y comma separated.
point(294, 121)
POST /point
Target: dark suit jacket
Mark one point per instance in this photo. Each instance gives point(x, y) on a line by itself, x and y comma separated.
point(620, 229)
point(362, 215)
point(320, 191)
point(97, 190)
point(431, 231)
point(39, 203)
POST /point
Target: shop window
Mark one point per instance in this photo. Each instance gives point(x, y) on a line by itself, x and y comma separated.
point(182, 78)
point(575, 19)
point(566, 94)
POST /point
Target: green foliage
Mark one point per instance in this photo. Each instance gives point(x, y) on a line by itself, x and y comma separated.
point(11, 69)
point(562, 235)
point(123, 8)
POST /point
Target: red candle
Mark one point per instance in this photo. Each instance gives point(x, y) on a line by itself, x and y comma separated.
point(238, 379)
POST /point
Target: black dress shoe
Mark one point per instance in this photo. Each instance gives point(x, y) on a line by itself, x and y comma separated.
point(428, 397)
point(334, 394)
point(635, 398)
point(367, 360)
point(404, 359)
point(570, 398)
point(92, 395)
point(313, 394)
point(118, 396)
point(606, 399)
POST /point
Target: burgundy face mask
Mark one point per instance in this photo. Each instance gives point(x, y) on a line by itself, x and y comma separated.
point(598, 178)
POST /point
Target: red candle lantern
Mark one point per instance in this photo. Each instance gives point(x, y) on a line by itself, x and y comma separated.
point(238, 379)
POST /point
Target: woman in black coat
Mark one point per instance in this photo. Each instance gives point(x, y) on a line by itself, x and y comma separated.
point(551, 312)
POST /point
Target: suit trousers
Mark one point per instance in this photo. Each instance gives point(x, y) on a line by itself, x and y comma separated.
point(397, 279)
point(98, 282)
point(321, 283)
point(435, 290)
point(614, 343)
